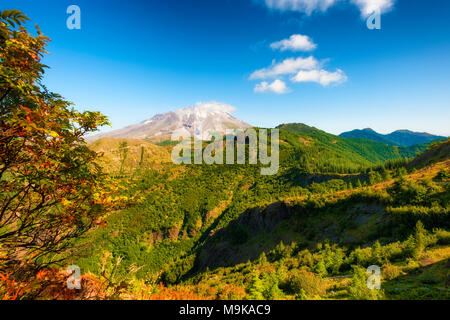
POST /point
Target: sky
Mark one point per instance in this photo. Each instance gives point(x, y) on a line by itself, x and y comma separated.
point(276, 61)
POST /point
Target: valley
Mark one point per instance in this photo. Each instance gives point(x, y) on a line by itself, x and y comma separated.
point(198, 228)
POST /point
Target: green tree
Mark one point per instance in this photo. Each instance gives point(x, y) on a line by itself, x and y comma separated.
point(359, 290)
point(256, 288)
point(271, 286)
point(123, 153)
point(420, 239)
point(385, 174)
point(320, 267)
point(401, 172)
point(377, 253)
point(262, 259)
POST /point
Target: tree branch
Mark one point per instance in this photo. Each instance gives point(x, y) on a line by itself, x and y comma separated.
point(5, 94)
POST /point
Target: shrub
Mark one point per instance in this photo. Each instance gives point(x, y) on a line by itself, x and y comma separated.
point(391, 272)
point(362, 257)
point(306, 283)
point(443, 236)
point(411, 266)
point(230, 292)
point(393, 251)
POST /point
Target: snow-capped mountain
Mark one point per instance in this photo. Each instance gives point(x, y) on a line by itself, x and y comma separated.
point(200, 121)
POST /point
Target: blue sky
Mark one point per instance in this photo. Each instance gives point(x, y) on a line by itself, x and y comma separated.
point(134, 59)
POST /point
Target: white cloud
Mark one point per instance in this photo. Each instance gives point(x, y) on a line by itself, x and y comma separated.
point(296, 42)
point(366, 7)
point(306, 6)
point(214, 106)
point(301, 70)
point(276, 86)
point(323, 77)
point(287, 66)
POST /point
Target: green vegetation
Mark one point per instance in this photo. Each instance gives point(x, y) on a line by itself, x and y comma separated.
point(308, 232)
point(141, 227)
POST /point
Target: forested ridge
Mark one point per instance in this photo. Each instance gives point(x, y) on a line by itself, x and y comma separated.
point(197, 221)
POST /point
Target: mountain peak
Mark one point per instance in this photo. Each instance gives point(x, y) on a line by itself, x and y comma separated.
point(208, 116)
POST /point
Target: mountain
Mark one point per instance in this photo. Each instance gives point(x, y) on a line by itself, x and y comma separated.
point(309, 142)
point(397, 138)
point(406, 137)
point(368, 134)
point(210, 117)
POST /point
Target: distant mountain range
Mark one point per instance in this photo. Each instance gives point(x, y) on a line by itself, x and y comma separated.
point(216, 117)
point(402, 138)
point(210, 117)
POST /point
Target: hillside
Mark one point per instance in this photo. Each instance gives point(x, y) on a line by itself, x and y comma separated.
point(435, 153)
point(313, 247)
point(309, 142)
point(403, 138)
point(129, 154)
point(206, 226)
